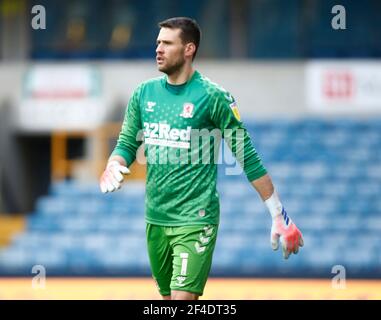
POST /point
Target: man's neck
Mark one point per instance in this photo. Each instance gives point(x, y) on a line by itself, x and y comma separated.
point(181, 76)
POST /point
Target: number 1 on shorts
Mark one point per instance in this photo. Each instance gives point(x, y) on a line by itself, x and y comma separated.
point(184, 263)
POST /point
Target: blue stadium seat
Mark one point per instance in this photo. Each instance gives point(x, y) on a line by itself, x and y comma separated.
point(327, 172)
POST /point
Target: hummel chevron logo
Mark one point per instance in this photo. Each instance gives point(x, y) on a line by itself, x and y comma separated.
point(204, 239)
point(150, 105)
point(180, 281)
point(199, 249)
point(208, 230)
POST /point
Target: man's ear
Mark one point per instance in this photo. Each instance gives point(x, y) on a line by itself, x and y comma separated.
point(190, 49)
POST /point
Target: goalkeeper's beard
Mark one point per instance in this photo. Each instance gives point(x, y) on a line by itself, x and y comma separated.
point(173, 68)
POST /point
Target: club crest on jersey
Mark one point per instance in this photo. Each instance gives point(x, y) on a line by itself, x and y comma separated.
point(187, 110)
point(150, 105)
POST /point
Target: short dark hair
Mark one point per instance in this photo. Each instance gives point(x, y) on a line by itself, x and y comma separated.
point(190, 30)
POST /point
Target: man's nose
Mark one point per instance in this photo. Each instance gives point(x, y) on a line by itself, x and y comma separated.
point(159, 48)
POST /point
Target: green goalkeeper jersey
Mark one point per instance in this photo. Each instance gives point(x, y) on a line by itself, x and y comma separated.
point(182, 127)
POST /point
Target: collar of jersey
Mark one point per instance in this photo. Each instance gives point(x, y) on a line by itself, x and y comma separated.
point(178, 88)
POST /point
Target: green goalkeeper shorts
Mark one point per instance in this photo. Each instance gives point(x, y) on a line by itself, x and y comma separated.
point(181, 257)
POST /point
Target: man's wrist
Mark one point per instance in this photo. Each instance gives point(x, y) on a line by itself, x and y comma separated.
point(274, 205)
point(113, 162)
point(116, 159)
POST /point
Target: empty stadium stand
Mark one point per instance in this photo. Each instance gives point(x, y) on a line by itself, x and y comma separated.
point(327, 171)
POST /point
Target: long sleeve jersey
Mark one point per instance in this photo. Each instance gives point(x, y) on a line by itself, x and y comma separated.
point(181, 127)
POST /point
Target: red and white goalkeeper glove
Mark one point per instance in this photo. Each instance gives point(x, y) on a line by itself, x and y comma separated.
point(112, 177)
point(283, 228)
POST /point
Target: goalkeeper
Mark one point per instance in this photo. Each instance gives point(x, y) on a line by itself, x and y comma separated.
point(182, 204)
